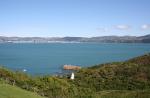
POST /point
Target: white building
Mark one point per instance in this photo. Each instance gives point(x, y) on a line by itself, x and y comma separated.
point(72, 76)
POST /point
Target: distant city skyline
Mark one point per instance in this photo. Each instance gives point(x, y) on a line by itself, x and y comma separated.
point(77, 18)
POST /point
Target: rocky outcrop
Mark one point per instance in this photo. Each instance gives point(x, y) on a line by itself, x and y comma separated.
point(71, 67)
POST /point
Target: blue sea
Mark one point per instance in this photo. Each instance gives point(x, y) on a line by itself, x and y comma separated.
point(49, 58)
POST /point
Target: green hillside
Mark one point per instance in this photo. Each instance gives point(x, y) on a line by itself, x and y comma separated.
point(133, 74)
point(129, 79)
point(8, 91)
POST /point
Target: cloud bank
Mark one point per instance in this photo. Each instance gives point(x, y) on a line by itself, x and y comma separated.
point(123, 27)
point(145, 27)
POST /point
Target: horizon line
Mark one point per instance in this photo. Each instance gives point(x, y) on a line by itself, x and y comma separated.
point(77, 36)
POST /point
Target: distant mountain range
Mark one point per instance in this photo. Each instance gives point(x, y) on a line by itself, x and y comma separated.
point(101, 39)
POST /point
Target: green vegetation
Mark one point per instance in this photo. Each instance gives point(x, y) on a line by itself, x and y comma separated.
point(130, 75)
point(8, 91)
point(123, 94)
point(129, 79)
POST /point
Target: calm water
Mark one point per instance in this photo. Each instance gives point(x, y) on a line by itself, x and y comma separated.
point(39, 59)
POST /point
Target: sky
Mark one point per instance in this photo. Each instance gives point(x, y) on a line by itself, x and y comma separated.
point(85, 18)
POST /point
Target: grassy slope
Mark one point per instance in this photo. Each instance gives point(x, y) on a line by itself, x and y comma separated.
point(8, 91)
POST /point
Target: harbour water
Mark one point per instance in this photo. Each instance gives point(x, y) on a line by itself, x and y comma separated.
point(49, 58)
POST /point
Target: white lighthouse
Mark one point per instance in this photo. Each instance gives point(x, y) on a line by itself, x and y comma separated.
point(72, 76)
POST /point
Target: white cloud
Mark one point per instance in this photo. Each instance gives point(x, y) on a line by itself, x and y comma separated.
point(145, 27)
point(123, 27)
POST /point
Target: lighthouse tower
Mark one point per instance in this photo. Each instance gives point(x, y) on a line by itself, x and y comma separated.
point(72, 76)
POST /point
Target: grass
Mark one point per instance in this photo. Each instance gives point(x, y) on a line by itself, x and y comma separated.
point(123, 94)
point(8, 91)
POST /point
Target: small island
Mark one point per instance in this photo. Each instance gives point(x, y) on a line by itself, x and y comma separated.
point(71, 67)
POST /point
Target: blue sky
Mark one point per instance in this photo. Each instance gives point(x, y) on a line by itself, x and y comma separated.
point(49, 18)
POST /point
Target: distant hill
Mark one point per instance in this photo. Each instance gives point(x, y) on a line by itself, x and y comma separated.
point(128, 79)
point(101, 39)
